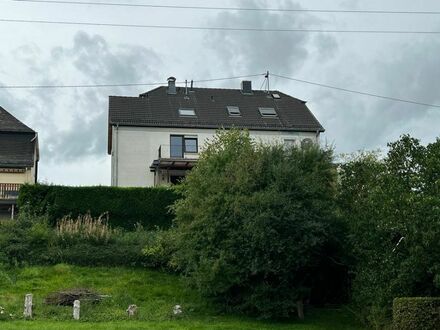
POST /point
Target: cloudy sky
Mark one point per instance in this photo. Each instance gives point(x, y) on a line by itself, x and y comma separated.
point(72, 122)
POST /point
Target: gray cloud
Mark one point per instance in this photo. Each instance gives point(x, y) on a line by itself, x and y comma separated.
point(254, 52)
point(72, 123)
point(359, 122)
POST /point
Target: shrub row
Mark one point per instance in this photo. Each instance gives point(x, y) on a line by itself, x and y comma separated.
point(125, 206)
point(416, 313)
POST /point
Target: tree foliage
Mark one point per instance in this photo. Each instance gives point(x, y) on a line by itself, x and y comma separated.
point(392, 207)
point(256, 224)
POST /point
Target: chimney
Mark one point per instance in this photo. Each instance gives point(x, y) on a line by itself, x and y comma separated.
point(172, 86)
point(246, 87)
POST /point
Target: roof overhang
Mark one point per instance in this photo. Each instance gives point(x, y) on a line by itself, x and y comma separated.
point(172, 164)
point(218, 126)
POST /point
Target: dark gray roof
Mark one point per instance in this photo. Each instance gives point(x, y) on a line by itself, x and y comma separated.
point(158, 109)
point(17, 142)
point(17, 149)
point(8, 123)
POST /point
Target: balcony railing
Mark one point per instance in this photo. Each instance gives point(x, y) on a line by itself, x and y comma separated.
point(9, 191)
point(167, 152)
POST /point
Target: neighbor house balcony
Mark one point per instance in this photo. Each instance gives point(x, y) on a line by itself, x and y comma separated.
point(175, 157)
point(9, 192)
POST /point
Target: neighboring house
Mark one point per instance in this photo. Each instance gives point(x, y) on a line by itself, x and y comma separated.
point(19, 156)
point(155, 138)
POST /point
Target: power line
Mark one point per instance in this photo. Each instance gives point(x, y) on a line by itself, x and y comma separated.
point(221, 79)
point(119, 85)
point(357, 92)
point(217, 28)
point(292, 10)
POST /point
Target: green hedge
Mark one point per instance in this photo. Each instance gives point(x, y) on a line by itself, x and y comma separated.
point(126, 206)
point(418, 313)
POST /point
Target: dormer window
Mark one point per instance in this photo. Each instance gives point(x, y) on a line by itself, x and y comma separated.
point(268, 112)
point(187, 112)
point(233, 111)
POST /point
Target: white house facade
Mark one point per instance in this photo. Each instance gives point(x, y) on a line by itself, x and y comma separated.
point(154, 139)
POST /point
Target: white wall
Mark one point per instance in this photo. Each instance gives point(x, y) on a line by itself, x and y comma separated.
point(135, 149)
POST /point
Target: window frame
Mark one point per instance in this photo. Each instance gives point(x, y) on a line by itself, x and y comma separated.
point(180, 110)
point(183, 146)
point(230, 107)
point(185, 151)
point(267, 115)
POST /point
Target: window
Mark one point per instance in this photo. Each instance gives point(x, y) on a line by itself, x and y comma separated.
point(176, 179)
point(176, 146)
point(306, 143)
point(190, 145)
point(289, 143)
point(180, 144)
point(233, 111)
point(186, 112)
point(276, 96)
point(268, 112)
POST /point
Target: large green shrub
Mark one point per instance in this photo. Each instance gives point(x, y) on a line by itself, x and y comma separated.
point(418, 313)
point(392, 209)
point(256, 223)
point(125, 206)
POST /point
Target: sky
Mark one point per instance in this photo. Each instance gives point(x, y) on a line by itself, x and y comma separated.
point(72, 122)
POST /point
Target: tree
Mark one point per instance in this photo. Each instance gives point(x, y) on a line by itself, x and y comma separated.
point(392, 209)
point(256, 222)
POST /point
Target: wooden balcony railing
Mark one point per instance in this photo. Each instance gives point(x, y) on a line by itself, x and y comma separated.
point(9, 191)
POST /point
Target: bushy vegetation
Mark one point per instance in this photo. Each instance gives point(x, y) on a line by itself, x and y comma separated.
point(260, 229)
point(82, 241)
point(257, 224)
point(416, 313)
point(125, 207)
point(392, 209)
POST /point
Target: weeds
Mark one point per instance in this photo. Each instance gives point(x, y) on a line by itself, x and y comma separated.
point(85, 227)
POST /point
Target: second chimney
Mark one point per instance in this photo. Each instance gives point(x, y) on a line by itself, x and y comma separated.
point(172, 85)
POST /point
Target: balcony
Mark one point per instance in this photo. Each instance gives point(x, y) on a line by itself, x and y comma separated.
point(174, 157)
point(9, 192)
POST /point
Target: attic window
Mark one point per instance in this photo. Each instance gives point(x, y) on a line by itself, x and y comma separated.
point(233, 111)
point(268, 112)
point(186, 112)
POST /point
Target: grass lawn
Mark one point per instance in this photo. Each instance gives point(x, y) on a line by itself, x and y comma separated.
point(155, 294)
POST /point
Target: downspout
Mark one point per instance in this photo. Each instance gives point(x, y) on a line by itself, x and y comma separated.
point(116, 154)
point(37, 156)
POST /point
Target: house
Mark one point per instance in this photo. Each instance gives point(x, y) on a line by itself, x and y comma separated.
point(19, 155)
point(156, 137)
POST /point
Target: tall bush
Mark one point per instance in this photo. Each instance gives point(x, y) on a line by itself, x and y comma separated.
point(256, 223)
point(125, 206)
point(392, 209)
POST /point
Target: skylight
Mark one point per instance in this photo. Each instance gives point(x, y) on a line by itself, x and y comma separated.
point(276, 96)
point(268, 112)
point(187, 112)
point(233, 111)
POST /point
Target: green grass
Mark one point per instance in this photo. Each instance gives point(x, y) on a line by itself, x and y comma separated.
point(155, 294)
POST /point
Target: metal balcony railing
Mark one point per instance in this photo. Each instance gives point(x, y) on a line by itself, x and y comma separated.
point(9, 191)
point(175, 152)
